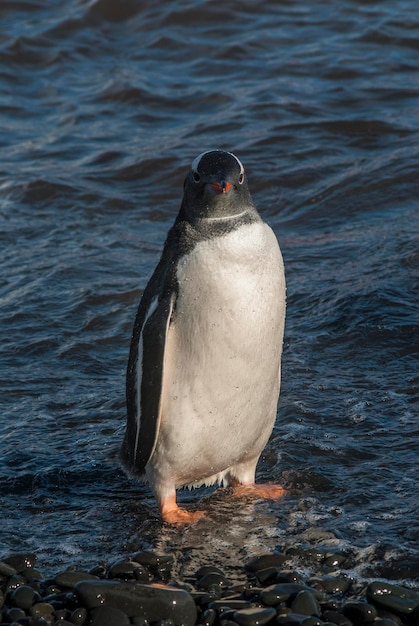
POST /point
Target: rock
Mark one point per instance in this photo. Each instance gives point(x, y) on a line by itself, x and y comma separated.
point(69, 578)
point(272, 575)
point(295, 619)
point(306, 604)
point(23, 597)
point(398, 599)
point(21, 561)
point(235, 604)
point(158, 564)
point(130, 570)
point(14, 614)
point(212, 580)
point(336, 618)
point(6, 570)
point(151, 602)
point(79, 616)
point(254, 616)
point(265, 560)
point(108, 616)
point(330, 584)
point(385, 622)
point(42, 609)
point(208, 569)
point(208, 617)
point(359, 612)
point(271, 596)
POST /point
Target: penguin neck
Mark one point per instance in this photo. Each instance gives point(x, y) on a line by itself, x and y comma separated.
point(190, 232)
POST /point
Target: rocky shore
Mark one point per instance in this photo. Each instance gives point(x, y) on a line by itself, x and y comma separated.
point(142, 590)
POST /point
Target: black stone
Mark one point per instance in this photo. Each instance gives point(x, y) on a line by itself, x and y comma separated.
point(23, 597)
point(6, 570)
point(398, 599)
point(330, 584)
point(14, 614)
point(254, 616)
point(158, 564)
point(79, 616)
point(21, 561)
point(360, 612)
point(212, 580)
point(235, 604)
point(208, 617)
point(385, 622)
point(153, 603)
point(69, 578)
point(42, 609)
point(336, 618)
point(295, 619)
point(208, 569)
point(271, 596)
point(108, 616)
point(306, 604)
point(130, 570)
point(264, 561)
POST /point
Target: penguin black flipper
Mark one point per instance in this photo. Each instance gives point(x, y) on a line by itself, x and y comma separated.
point(145, 370)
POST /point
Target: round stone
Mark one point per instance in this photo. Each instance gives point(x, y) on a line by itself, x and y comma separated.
point(108, 616)
point(70, 578)
point(394, 598)
point(208, 569)
point(306, 604)
point(330, 584)
point(79, 616)
point(336, 618)
point(264, 561)
point(254, 616)
point(152, 602)
point(21, 561)
point(42, 609)
point(130, 570)
point(360, 612)
point(213, 580)
point(23, 597)
point(271, 596)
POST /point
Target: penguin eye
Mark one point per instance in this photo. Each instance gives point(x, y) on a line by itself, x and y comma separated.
point(196, 177)
point(241, 178)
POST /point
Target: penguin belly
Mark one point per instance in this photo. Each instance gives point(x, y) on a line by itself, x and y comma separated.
point(222, 361)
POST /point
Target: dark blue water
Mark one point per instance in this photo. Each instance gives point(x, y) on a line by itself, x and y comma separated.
point(103, 106)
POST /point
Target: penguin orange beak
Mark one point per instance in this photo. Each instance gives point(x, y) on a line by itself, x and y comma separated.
point(223, 187)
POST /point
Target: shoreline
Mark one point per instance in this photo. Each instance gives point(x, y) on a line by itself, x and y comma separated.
point(299, 586)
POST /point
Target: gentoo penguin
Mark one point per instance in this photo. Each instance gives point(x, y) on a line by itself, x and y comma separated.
point(203, 373)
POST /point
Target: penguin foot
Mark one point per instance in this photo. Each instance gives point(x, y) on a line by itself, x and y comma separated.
point(267, 492)
point(173, 514)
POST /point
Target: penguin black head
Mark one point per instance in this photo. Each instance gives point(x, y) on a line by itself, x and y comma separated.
point(216, 187)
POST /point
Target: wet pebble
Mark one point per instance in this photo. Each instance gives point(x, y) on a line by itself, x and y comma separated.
point(271, 596)
point(108, 616)
point(264, 561)
point(153, 603)
point(130, 570)
point(113, 595)
point(69, 578)
point(254, 616)
point(401, 600)
point(360, 612)
point(330, 584)
point(306, 604)
point(23, 597)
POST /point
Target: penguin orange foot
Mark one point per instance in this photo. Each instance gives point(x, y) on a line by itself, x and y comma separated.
point(265, 492)
point(204, 367)
point(173, 514)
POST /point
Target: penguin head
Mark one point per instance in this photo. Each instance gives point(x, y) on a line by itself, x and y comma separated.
point(216, 187)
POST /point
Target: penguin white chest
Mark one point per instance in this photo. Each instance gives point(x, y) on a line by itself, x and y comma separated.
point(222, 361)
